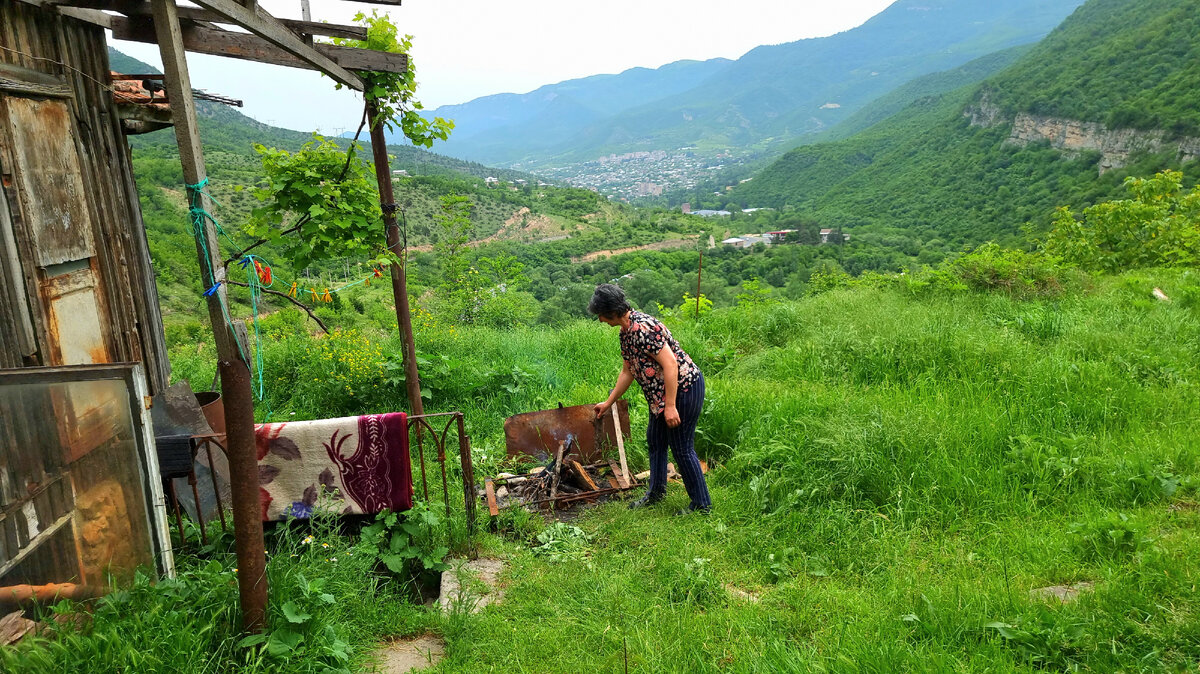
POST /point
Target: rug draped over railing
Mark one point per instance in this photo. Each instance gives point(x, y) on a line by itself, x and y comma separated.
point(360, 463)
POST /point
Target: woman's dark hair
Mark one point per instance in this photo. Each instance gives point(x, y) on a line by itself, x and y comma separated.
point(608, 301)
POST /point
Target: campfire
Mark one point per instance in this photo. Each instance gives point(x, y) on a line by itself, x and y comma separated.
point(574, 468)
point(560, 483)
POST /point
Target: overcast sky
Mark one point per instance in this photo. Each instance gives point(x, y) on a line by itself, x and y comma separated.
point(464, 49)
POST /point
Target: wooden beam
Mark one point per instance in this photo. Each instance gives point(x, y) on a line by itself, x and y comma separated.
point(490, 489)
point(203, 40)
point(178, 83)
point(235, 373)
point(136, 8)
point(268, 28)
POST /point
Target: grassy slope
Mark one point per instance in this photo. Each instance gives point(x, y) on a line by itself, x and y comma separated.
point(923, 458)
point(916, 466)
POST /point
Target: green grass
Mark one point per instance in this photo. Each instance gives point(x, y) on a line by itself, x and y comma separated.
point(892, 474)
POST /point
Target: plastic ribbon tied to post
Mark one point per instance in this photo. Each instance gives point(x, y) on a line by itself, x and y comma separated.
point(258, 276)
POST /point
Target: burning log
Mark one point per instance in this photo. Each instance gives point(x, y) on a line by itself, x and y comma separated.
point(561, 482)
point(577, 471)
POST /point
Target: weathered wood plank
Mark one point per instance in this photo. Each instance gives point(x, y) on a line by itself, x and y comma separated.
point(583, 475)
point(201, 40)
point(15, 72)
point(53, 199)
point(268, 28)
point(620, 433)
point(622, 479)
point(493, 506)
point(134, 8)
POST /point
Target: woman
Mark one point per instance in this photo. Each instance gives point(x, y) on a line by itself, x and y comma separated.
point(674, 389)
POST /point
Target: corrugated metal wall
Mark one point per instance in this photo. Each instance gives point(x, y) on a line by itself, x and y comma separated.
point(76, 285)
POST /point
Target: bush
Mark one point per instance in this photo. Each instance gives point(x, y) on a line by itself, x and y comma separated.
point(1159, 226)
point(991, 267)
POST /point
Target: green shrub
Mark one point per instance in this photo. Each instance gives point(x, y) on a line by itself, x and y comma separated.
point(1159, 226)
point(990, 267)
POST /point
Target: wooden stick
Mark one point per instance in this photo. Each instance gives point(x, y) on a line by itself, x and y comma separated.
point(620, 441)
point(493, 506)
point(554, 479)
point(288, 298)
point(621, 478)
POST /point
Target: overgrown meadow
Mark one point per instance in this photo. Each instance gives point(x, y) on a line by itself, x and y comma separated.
point(896, 463)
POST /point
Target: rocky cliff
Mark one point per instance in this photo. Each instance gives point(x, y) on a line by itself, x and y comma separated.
point(1116, 146)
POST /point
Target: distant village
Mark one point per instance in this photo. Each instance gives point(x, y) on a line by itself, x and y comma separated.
point(827, 235)
point(781, 236)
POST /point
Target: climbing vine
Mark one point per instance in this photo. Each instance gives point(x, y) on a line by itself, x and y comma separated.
point(393, 94)
point(329, 197)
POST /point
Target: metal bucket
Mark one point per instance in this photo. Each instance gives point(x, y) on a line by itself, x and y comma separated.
point(214, 410)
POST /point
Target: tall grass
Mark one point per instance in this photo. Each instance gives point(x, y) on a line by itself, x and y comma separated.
point(892, 474)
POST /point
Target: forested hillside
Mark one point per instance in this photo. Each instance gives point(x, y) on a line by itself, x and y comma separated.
point(950, 167)
point(1125, 64)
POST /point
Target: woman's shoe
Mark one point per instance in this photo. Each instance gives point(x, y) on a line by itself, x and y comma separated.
point(706, 510)
point(647, 500)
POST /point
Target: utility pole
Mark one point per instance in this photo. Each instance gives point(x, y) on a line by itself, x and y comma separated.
point(387, 201)
point(236, 391)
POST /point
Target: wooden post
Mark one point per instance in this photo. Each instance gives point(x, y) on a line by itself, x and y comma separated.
point(387, 200)
point(620, 446)
point(699, 270)
point(235, 373)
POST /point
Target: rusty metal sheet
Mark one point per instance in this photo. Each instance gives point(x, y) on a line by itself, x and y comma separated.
point(53, 201)
point(538, 434)
point(75, 316)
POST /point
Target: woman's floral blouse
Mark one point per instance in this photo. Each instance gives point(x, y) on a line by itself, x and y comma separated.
point(640, 342)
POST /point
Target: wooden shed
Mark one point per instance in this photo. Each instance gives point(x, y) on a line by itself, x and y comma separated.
point(81, 341)
point(75, 272)
point(80, 501)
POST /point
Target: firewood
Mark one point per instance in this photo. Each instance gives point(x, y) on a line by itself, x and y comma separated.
point(582, 474)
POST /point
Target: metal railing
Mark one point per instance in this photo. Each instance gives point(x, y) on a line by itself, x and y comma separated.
point(426, 426)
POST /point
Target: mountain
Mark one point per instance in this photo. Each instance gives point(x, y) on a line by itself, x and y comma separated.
point(762, 101)
point(550, 115)
point(1113, 91)
point(934, 84)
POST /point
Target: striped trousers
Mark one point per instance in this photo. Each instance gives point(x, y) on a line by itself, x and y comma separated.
point(681, 441)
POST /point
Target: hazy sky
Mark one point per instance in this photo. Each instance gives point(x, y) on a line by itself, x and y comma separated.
point(464, 49)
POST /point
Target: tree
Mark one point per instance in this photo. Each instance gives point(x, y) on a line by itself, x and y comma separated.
point(332, 212)
point(1160, 225)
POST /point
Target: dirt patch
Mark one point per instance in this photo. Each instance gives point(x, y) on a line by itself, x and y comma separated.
point(657, 245)
point(738, 593)
point(471, 585)
point(409, 655)
point(1063, 593)
point(522, 225)
point(174, 196)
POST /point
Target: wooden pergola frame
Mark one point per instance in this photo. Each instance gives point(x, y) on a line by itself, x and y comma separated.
point(284, 42)
point(178, 30)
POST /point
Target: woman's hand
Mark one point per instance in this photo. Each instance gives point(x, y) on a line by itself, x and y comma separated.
point(671, 416)
point(602, 408)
